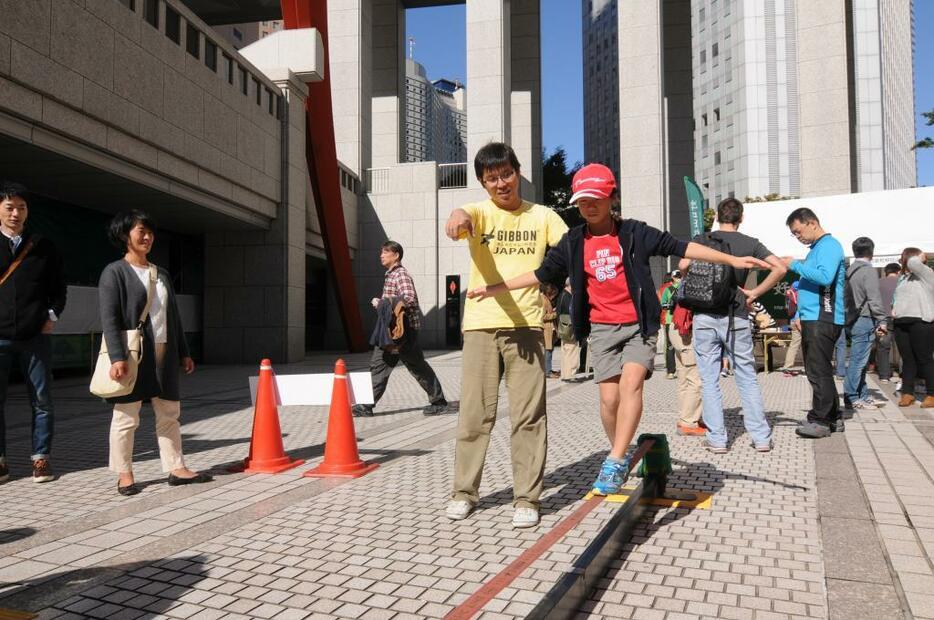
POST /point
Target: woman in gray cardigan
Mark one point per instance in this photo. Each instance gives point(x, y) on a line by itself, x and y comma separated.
point(123, 293)
point(913, 309)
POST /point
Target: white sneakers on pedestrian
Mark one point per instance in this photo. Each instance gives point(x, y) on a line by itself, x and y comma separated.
point(458, 509)
point(525, 517)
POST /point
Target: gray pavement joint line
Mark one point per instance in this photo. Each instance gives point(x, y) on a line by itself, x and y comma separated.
point(63, 586)
point(896, 582)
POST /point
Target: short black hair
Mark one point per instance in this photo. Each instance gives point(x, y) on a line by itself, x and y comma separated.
point(118, 232)
point(492, 156)
point(729, 211)
point(392, 246)
point(803, 215)
point(863, 247)
point(9, 189)
point(892, 268)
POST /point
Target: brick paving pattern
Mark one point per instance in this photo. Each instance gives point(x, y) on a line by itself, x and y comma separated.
point(284, 546)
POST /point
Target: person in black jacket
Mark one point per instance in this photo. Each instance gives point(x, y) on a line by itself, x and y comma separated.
point(32, 297)
point(614, 303)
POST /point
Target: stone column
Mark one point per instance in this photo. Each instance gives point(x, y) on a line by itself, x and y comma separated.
point(254, 298)
point(489, 66)
point(350, 68)
point(642, 172)
point(679, 92)
point(526, 93)
point(824, 98)
point(388, 81)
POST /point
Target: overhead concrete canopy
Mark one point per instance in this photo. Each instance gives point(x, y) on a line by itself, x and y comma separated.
point(54, 175)
point(218, 12)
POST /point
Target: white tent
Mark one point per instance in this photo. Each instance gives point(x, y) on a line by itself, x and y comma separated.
point(893, 219)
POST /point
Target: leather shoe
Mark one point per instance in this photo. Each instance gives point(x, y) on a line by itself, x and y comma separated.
point(128, 490)
point(175, 481)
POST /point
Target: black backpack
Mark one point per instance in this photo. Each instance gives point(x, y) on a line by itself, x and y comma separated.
point(708, 287)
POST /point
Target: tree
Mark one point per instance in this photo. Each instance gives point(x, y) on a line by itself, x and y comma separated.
point(556, 184)
point(926, 143)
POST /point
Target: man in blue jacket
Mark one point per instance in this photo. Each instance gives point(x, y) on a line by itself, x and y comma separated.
point(821, 312)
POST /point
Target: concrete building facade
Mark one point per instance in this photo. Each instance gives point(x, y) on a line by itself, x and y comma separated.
point(435, 118)
point(785, 97)
point(109, 105)
point(601, 82)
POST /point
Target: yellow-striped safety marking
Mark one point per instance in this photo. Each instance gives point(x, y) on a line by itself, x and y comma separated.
point(700, 500)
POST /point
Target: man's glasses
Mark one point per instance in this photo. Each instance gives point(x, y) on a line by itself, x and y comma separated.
point(505, 177)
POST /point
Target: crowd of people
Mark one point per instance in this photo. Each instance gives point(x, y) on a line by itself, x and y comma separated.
point(533, 282)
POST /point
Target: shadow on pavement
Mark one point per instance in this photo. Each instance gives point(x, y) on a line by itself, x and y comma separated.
point(16, 533)
point(575, 478)
point(146, 587)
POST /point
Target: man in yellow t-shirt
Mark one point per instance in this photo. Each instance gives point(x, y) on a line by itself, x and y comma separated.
point(507, 237)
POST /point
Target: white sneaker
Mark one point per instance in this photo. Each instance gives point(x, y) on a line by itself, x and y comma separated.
point(458, 509)
point(525, 517)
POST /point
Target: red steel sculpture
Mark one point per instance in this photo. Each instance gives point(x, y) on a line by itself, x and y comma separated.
point(321, 155)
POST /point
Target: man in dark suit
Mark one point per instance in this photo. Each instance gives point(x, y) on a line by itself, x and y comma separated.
point(32, 298)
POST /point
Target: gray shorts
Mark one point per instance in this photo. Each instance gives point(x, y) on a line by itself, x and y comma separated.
point(613, 346)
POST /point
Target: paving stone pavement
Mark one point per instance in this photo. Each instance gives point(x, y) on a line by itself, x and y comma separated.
point(286, 546)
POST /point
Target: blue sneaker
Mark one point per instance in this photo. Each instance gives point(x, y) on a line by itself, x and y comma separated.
point(611, 477)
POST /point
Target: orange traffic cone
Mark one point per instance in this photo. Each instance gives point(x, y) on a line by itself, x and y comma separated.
point(267, 455)
point(341, 459)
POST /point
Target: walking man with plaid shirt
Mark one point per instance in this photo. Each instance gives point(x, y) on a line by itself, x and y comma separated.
point(398, 283)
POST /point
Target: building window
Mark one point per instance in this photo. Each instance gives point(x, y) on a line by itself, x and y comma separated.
point(716, 160)
point(703, 57)
point(715, 51)
point(192, 40)
point(151, 12)
point(704, 118)
point(244, 83)
point(130, 4)
point(237, 34)
point(269, 101)
point(228, 68)
point(258, 89)
point(716, 114)
point(210, 54)
point(173, 25)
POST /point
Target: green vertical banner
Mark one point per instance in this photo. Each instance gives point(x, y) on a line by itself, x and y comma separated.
point(695, 206)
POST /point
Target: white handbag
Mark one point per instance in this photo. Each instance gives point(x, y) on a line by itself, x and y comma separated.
point(101, 383)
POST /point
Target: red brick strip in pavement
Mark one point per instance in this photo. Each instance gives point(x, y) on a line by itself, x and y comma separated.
point(497, 584)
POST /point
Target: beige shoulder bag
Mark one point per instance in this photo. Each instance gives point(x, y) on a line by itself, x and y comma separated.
point(101, 383)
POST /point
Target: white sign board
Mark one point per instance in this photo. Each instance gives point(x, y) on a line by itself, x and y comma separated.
point(316, 389)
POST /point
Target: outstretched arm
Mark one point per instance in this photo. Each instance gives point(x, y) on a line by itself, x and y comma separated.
point(778, 271)
point(696, 251)
point(491, 290)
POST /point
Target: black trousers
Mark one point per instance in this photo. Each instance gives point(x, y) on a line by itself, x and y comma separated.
point(818, 340)
point(915, 341)
point(382, 364)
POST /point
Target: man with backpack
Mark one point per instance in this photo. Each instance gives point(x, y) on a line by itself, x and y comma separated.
point(721, 323)
point(865, 315)
point(820, 309)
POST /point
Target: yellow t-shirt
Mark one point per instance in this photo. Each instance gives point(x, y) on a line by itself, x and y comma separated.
point(507, 244)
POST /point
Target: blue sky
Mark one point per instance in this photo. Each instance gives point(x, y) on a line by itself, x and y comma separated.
point(440, 46)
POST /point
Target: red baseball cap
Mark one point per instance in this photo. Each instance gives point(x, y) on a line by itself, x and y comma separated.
point(592, 181)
